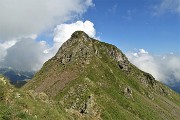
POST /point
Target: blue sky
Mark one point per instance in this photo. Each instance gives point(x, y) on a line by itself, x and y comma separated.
point(131, 24)
point(147, 31)
point(134, 24)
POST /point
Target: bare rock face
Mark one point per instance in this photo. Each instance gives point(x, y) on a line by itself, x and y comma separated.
point(122, 60)
point(148, 80)
point(81, 46)
point(128, 93)
point(77, 47)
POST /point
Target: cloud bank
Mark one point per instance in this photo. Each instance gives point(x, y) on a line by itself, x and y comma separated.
point(21, 21)
point(3, 48)
point(26, 54)
point(164, 68)
point(24, 17)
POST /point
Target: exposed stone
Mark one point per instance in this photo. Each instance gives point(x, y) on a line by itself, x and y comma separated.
point(43, 97)
point(128, 93)
point(86, 110)
point(163, 91)
point(88, 106)
point(2, 79)
point(77, 47)
point(148, 80)
point(119, 57)
point(17, 95)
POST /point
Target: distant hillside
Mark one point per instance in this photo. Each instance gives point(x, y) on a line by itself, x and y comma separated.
point(16, 77)
point(175, 87)
point(94, 80)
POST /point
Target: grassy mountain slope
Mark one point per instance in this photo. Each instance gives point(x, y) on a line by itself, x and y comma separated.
point(16, 104)
point(94, 80)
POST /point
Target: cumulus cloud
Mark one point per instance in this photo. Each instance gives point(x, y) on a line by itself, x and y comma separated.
point(63, 32)
point(3, 48)
point(167, 6)
point(24, 17)
point(21, 21)
point(27, 54)
point(164, 68)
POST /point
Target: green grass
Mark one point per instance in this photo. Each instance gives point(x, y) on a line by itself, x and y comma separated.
point(105, 81)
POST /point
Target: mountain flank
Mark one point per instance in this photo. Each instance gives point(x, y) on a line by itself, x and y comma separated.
point(94, 80)
point(17, 104)
point(89, 80)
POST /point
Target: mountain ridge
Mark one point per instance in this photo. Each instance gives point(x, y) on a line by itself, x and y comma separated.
point(87, 75)
point(85, 53)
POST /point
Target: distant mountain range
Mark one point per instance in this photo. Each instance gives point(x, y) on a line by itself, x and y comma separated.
point(16, 77)
point(175, 87)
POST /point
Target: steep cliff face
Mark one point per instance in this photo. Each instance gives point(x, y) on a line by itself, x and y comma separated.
point(92, 79)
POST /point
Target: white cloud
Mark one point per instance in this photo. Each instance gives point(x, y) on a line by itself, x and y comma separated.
point(22, 20)
point(3, 48)
point(63, 32)
point(172, 6)
point(142, 51)
point(164, 68)
point(28, 54)
point(25, 17)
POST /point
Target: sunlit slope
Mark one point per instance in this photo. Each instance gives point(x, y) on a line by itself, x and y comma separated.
point(94, 80)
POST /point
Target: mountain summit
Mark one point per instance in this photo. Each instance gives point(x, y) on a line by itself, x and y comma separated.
point(91, 79)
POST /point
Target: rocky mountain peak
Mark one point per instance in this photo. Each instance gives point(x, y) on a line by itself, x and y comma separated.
point(82, 47)
point(91, 79)
point(80, 35)
point(79, 46)
point(75, 43)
